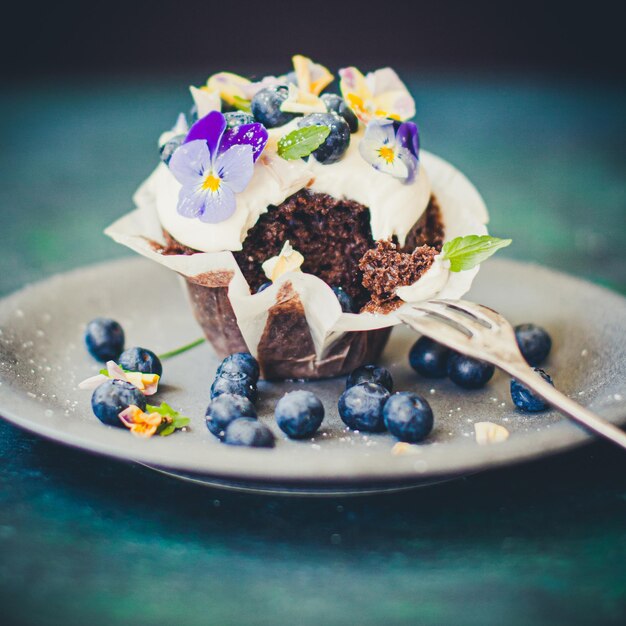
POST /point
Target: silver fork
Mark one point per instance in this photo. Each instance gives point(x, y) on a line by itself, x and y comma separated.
point(481, 333)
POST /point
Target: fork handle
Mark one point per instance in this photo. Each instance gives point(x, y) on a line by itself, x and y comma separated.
point(562, 403)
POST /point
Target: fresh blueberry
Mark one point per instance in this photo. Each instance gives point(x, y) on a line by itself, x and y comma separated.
point(234, 382)
point(370, 374)
point(429, 358)
point(141, 360)
point(467, 372)
point(361, 407)
point(112, 397)
point(534, 343)
point(265, 106)
point(240, 362)
point(264, 286)
point(338, 139)
point(299, 414)
point(336, 104)
point(104, 338)
point(237, 118)
point(524, 399)
point(247, 431)
point(169, 147)
point(226, 408)
point(345, 301)
point(408, 416)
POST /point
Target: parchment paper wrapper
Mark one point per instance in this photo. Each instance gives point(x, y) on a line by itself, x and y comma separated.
point(295, 328)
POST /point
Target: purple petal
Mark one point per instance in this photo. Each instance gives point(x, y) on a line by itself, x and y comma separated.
point(410, 160)
point(219, 205)
point(235, 167)
point(408, 137)
point(253, 135)
point(190, 161)
point(191, 200)
point(210, 128)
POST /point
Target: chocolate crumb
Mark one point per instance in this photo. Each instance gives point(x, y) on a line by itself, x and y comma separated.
point(385, 268)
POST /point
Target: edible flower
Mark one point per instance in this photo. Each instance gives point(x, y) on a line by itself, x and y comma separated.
point(379, 94)
point(311, 79)
point(214, 164)
point(140, 423)
point(147, 383)
point(233, 89)
point(162, 419)
point(289, 260)
point(390, 151)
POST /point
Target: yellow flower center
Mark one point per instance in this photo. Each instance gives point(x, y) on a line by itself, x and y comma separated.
point(211, 182)
point(386, 154)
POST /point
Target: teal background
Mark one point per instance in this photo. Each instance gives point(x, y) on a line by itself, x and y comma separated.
point(85, 539)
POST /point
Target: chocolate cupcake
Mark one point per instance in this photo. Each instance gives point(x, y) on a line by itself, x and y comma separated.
point(302, 225)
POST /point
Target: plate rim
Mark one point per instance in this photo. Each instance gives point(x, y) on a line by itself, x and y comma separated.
point(243, 464)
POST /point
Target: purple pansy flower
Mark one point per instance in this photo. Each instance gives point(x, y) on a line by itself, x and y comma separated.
point(214, 164)
point(390, 151)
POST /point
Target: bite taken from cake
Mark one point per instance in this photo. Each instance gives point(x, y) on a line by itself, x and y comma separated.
point(302, 219)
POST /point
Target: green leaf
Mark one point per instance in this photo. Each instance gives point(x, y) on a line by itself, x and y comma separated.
point(181, 422)
point(164, 409)
point(242, 104)
point(168, 430)
point(464, 253)
point(300, 143)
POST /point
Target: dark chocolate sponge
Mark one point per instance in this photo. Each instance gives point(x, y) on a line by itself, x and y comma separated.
point(333, 236)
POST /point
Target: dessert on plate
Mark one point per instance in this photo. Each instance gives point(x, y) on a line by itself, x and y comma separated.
point(301, 219)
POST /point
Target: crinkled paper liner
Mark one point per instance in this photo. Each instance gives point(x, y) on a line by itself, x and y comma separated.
point(295, 327)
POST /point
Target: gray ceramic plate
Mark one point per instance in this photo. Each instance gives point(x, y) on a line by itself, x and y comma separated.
point(42, 359)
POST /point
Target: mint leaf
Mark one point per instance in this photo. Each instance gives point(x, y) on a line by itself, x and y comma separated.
point(168, 430)
point(300, 143)
point(164, 409)
point(464, 253)
point(242, 104)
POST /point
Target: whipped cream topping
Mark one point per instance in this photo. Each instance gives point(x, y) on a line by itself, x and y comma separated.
point(394, 206)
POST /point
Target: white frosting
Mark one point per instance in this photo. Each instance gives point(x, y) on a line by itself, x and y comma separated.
point(394, 206)
point(429, 283)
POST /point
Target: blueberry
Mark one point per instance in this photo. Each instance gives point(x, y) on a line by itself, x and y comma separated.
point(336, 104)
point(265, 106)
point(236, 383)
point(429, 358)
point(169, 147)
point(237, 118)
point(141, 360)
point(240, 362)
point(370, 374)
point(112, 397)
point(534, 343)
point(525, 399)
point(299, 414)
point(337, 141)
point(247, 431)
point(104, 338)
point(226, 408)
point(408, 416)
point(361, 407)
point(345, 301)
point(264, 286)
point(467, 372)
